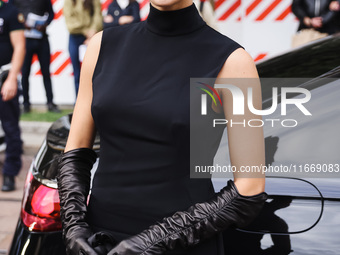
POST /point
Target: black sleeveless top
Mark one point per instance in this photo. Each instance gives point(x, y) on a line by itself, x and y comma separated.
point(141, 111)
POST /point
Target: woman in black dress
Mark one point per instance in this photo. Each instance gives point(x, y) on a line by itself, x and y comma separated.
point(135, 92)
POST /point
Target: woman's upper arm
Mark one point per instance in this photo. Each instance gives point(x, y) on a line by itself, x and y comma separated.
point(82, 130)
point(246, 143)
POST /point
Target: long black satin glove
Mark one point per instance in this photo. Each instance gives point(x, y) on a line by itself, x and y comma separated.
point(187, 228)
point(74, 177)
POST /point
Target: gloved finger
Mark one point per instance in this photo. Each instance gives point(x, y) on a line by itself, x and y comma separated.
point(86, 249)
point(101, 249)
point(102, 240)
point(112, 252)
point(123, 248)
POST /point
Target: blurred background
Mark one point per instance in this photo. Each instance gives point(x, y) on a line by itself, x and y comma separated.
point(264, 27)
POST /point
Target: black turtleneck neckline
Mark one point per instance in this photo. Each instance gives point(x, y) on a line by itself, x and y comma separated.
point(174, 23)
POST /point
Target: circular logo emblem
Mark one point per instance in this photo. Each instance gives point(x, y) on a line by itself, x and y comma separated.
point(21, 18)
point(116, 12)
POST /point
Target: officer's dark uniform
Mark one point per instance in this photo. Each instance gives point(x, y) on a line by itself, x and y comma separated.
point(9, 110)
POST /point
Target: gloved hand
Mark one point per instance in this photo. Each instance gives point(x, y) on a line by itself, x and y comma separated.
point(74, 177)
point(99, 243)
point(102, 242)
point(201, 221)
point(77, 242)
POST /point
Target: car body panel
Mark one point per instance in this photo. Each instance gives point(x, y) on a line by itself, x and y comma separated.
point(27, 242)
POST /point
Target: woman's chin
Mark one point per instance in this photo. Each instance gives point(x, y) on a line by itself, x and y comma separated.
point(170, 5)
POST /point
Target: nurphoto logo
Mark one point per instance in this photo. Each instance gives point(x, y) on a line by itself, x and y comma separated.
point(239, 98)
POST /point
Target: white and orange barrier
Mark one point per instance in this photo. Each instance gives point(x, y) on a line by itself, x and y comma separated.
point(263, 27)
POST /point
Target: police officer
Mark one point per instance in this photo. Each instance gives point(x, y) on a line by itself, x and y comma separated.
point(315, 14)
point(335, 7)
point(12, 51)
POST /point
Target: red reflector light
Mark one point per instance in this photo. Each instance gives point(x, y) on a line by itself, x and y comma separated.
point(45, 202)
point(40, 207)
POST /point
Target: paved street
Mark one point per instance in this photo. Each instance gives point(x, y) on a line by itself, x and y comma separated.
point(33, 134)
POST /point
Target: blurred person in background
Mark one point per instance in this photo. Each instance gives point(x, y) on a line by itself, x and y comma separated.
point(121, 12)
point(335, 6)
point(37, 15)
point(12, 51)
point(83, 19)
point(316, 20)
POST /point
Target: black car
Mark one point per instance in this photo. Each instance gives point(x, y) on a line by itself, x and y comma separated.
point(301, 215)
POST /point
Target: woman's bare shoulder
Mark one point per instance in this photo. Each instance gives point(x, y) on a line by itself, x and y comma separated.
point(93, 49)
point(239, 65)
